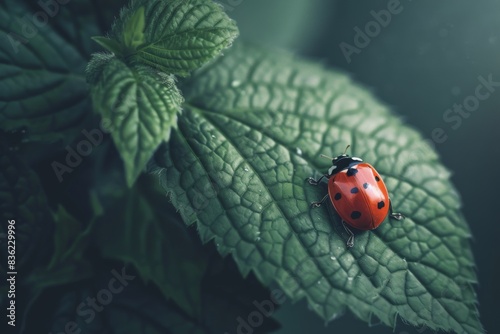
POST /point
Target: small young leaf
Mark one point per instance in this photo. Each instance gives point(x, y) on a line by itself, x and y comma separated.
point(133, 33)
point(179, 35)
point(253, 128)
point(109, 44)
point(140, 103)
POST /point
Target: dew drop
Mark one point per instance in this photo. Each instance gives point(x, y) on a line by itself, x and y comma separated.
point(299, 151)
point(213, 136)
point(246, 169)
point(236, 83)
point(333, 258)
point(350, 278)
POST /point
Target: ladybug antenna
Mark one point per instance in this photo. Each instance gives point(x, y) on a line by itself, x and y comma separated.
point(347, 148)
point(326, 157)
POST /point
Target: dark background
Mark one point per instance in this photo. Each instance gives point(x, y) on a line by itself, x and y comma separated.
point(428, 58)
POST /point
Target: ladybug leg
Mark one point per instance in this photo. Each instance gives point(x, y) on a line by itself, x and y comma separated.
point(318, 204)
point(314, 182)
point(350, 241)
point(395, 215)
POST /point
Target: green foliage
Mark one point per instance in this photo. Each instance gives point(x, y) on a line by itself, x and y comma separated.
point(255, 123)
point(179, 35)
point(234, 164)
point(68, 263)
point(42, 84)
point(140, 308)
point(108, 44)
point(174, 37)
point(141, 105)
point(191, 279)
point(158, 240)
point(133, 32)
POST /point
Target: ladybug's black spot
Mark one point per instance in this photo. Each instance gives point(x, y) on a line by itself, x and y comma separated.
point(354, 190)
point(377, 178)
point(365, 185)
point(351, 171)
point(355, 214)
point(380, 204)
point(338, 196)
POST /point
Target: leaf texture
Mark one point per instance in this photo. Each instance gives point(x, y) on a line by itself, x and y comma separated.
point(42, 82)
point(179, 35)
point(253, 127)
point(140, 105)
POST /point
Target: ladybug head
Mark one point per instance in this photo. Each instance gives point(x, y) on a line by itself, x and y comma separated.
point(342, 162)
point(340, 157)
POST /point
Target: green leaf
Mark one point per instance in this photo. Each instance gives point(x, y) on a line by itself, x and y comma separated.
point(133, 34)
point(141, 105)
point(67, 263)
point(70, 240)
point(42, 82)
point(179, 35)
point(253, 128)
point(67, 230)
point(162, 251)
point(108, 44)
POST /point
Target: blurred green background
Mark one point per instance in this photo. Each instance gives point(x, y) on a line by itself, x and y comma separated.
point(427, 59)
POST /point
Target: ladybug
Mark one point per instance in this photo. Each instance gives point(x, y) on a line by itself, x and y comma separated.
point(357, 193)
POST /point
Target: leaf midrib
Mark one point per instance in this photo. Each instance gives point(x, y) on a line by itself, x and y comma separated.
point(314, 259)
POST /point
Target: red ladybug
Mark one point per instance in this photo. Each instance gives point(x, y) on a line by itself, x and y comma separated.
point(358, 194)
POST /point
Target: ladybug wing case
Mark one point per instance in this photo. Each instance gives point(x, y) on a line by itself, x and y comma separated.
point(359, 196)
